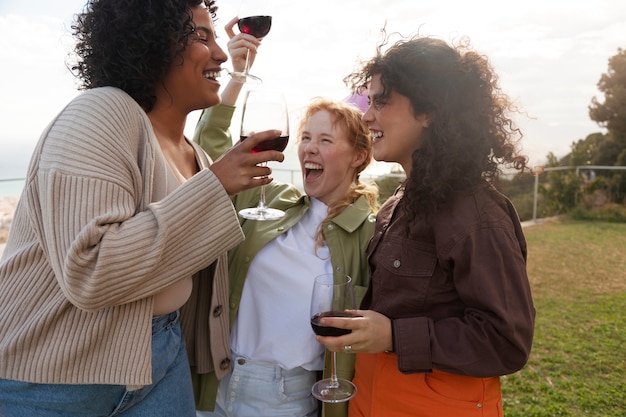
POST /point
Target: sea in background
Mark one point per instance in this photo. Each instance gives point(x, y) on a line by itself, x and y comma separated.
point(9, 195)
point(10, 191)
point(11, 187)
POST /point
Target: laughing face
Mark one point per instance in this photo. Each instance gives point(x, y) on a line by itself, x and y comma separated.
point(192, 82)
point(396, 131)
point(327, 158)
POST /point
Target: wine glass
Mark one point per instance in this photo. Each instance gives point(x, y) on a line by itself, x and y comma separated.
point(333, 294)
point(254, 23)
point(264, 110)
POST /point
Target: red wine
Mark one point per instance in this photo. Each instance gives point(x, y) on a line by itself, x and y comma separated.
point(322, 330)
point(276, 144)
point(257, 26)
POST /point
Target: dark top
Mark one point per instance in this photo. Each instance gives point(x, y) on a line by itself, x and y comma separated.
point(456, 289)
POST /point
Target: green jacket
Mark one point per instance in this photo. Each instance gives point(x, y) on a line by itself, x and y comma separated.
point(347, 236)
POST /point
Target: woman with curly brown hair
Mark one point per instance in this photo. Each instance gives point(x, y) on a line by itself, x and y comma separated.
point(123, 223)
point(449, 307)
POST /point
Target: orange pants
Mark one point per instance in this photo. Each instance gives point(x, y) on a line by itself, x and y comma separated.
point(383, 391)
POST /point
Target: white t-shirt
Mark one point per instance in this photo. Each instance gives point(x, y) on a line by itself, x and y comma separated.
point(273, 323)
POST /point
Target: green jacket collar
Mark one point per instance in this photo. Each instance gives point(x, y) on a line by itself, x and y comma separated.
point(351, 218)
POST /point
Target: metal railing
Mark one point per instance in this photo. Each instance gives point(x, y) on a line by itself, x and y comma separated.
point(7, 190)
point(537, 171)
point(293, 176)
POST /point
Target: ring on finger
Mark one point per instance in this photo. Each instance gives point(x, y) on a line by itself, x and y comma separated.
point(347, 348)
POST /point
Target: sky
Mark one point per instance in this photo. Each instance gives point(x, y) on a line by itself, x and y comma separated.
point(549, 56)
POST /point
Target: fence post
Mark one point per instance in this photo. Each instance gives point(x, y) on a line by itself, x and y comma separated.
point(535, 198)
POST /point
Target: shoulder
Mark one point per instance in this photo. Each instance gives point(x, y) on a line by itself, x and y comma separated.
point(105, 96)
point(108, 105)
point(485, 208)
point(99, 121)
point(107, 110)
point(358, 216)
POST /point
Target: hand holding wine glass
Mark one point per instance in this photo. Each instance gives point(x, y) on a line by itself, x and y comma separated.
point(242, 49)
point(264, 110)
point(333, 294)
point(256, 23)
point(238, 169)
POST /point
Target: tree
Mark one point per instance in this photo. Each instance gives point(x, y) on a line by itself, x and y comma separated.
point(611, 150)
point(585, 151)
point(612, 113)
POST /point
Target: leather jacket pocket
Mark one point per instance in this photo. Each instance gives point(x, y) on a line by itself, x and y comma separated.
point(403, 273)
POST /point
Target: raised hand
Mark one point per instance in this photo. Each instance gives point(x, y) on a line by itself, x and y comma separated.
point(239, 45)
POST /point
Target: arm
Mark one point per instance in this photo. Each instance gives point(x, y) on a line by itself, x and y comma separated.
point(107, 241)
point(480, 324)
point(213, 130)
point(486, 328)
point(496, 329)
point(239, 46)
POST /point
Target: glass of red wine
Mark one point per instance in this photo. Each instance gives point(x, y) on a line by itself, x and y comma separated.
point(264, 110)
point(333, 294)
point(257, 26)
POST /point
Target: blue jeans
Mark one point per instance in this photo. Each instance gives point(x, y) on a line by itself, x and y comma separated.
point(170, 394)
point(257, 388)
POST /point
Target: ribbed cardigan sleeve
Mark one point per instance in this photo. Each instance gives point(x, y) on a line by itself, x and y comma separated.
point(93, 239)
point(106, 245)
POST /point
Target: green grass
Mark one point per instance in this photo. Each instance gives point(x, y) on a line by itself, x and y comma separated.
point(578, 363)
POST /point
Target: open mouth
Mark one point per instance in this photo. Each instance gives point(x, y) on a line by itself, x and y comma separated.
point(312, 171)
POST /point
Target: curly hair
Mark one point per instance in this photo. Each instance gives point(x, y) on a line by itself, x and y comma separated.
point(348, 117)
point(130, 44)
point(470, 134)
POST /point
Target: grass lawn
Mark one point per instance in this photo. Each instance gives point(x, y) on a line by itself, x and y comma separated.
point(578, 363)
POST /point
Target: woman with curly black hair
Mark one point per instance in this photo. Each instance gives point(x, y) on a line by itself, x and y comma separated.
point(123, 225)
point(449, 307)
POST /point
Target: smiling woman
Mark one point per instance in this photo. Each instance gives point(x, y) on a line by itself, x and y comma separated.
point(272, 271)
point(123, 225)
point(437, 276)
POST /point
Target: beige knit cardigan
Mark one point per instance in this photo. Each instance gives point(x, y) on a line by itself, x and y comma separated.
point(93, 239)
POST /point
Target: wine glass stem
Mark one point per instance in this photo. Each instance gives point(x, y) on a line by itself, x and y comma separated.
point(262, 205)
point(334, 383)
point(262, 198)
point(246, 70)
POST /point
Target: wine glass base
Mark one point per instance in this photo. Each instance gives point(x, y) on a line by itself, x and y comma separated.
point(257, 213)
point(325, 391)
point(243, 77)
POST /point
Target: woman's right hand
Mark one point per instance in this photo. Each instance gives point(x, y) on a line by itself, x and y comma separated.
point(238, 168)
point(239, 45)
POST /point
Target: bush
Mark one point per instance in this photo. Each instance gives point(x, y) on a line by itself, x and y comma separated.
point(609, 212)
